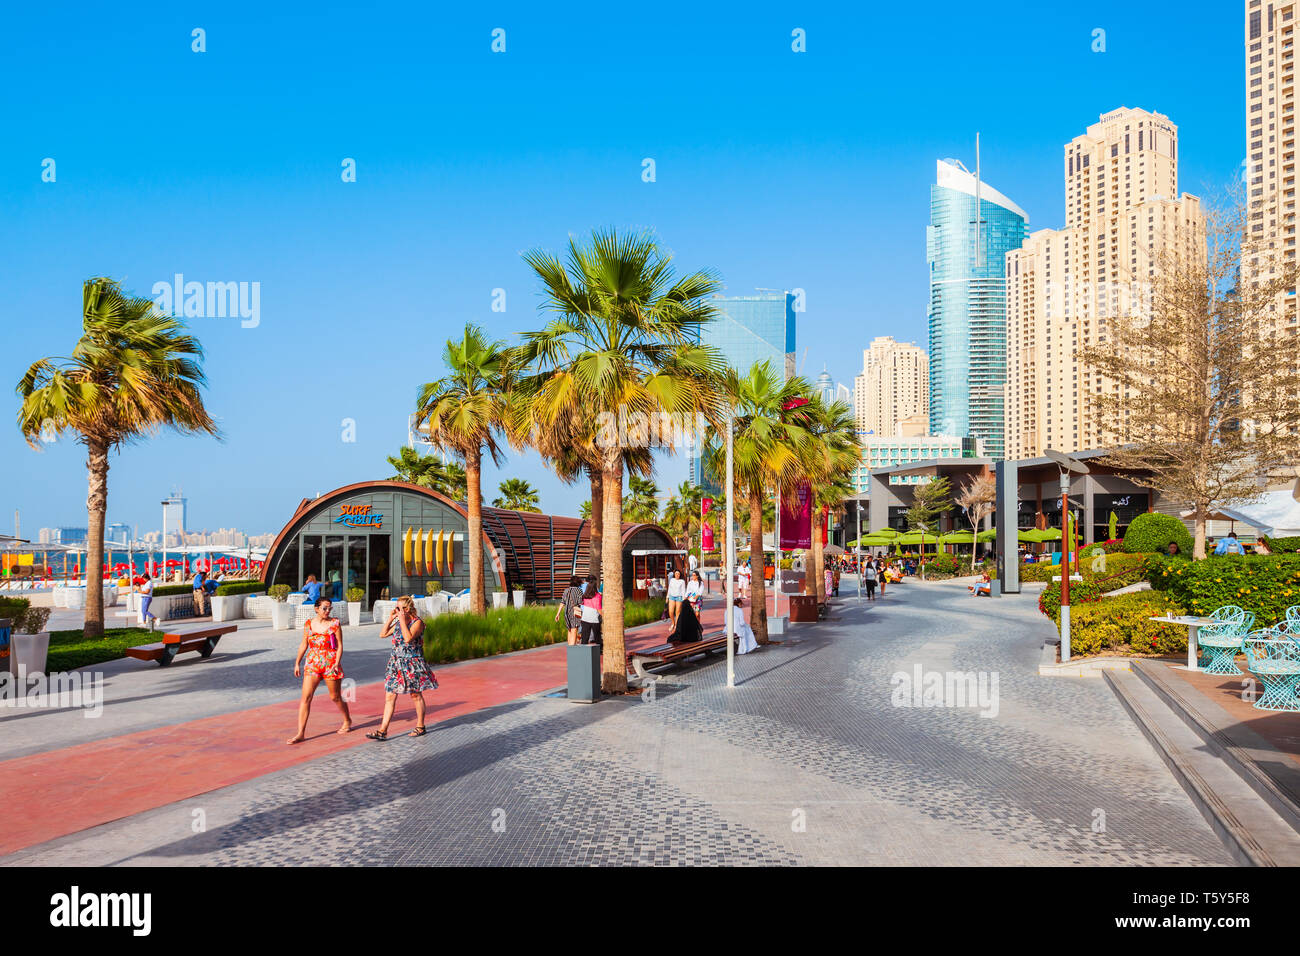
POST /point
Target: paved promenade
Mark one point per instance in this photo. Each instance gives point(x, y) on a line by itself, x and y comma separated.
point(808, 760)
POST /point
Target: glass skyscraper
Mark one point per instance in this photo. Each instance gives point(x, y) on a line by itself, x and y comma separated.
point(968, 304)
point(749, 329)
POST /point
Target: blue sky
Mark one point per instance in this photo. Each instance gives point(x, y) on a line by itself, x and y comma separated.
point(776, 169)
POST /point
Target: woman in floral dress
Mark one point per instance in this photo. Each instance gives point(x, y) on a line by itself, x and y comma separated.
point(322, 643)
point(408, 672)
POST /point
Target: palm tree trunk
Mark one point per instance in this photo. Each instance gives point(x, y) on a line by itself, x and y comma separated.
point(596, 542)
point(474, 501)
point(757, 583)
point(613, 661)
point(96, 508)
point(819, 583)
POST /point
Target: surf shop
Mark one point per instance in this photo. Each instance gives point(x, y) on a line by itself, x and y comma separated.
point(391, 538)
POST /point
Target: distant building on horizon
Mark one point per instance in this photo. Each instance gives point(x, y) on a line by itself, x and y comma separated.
point(893, 387)
point(117, 534)
point(747, 330)
point(966, 248)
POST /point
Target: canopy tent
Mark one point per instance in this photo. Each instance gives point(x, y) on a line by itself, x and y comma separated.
point(1275, 513)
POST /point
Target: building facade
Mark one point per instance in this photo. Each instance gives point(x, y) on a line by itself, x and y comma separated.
point(747, 330)
point(1270, 146)
point(972, 228)
point(1123, 225)
point(893, 387)
point(885, 452)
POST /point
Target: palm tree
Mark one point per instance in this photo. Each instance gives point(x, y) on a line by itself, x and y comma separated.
point(642, 504)
point(464, 413)
point(682, 513)
point(625, 340)
point(429, 471)
point(766, 453)
point(133, 371)
point(584, 512)
point(830, 455)
point(517, 495)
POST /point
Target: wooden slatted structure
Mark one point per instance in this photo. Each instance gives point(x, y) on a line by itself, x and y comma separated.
point(542, 551)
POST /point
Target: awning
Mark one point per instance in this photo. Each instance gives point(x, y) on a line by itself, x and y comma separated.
point(1276, 514)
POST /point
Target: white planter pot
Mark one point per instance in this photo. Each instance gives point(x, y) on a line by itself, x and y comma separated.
point(519, 599)
point(282, 616)
point(499, 599)
point(354, 614)
point(227, 607)
point(27, 653)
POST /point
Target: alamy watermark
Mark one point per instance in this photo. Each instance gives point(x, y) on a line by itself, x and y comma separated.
point(211, 300)
point(54, 691)
point(923, 688)
point(650, 430)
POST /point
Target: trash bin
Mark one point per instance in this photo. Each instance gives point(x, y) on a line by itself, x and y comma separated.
point(584, 673)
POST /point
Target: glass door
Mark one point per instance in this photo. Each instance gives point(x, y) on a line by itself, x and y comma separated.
point(356, 551)
point(378, 580)
point(334, 568)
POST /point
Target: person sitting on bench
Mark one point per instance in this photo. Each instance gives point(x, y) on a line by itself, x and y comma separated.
point(982, 586)
point(686, 629)
point(745, 641)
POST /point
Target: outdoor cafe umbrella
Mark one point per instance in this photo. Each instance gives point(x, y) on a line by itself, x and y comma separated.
point(985, 536)
point(957, 537)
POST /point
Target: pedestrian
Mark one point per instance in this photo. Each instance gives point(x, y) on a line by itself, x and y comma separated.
point(1229, 545)
point(743, 574)
point(676, 595)
point(322, 644)
point(145, 590)
point(570, 606)
point(695, 591)
point(828, 580)
point(745, 640)
point(692, 562)
point(869, 579)
point(881, 576)
point(592, 608)
point(200, 595)
point(407, 672)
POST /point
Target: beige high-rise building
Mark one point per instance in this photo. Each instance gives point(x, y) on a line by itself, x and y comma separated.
point(894, 386)
point(1121, 220)
point(1270, 142)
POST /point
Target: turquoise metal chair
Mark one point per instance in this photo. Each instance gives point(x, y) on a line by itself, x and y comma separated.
point(1293, 614)
point(1221, 643)
point(1229, 612)
point(1276, 662)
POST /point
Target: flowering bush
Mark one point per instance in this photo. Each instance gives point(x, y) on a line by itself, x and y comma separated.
point(942, 566)
point(1122, 623)
point(1120, 570)
point(1264, 584)
point(1049, 602)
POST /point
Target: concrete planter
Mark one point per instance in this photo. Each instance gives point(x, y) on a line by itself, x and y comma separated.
point(519, 599)
point(499, 599)
point(282, 615)
point(28, 653)
point(227, 607)
point(354, 614)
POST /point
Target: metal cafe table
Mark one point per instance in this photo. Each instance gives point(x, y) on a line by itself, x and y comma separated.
point(1194, 624)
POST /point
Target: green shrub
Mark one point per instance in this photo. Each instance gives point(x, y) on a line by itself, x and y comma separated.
point(165, 589)
point(1150, 533)
point(1049, 602)
point(1122, 623)
point(1282, 545)
point(14, 607)
point(239, 587)
point(279, 592)
point(1264, 584)
point(432, 587)
point(942, 566)
point(1120, 570)
point(355, 595)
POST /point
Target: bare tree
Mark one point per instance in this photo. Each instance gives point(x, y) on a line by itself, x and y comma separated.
point(1204, 401)
point(978, 497)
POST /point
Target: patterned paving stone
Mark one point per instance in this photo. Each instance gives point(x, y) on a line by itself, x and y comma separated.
point(806, 761)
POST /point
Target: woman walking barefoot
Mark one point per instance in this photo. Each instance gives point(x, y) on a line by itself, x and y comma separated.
point(408, 672)
point(322, 642)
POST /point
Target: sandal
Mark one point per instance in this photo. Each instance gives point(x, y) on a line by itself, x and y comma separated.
point(417, 732)
point(377, 735)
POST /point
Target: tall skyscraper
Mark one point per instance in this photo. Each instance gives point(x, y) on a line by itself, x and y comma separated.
point(966, 244)
point(894, 386)
point(750, 329)
point(1270, 143)
point(1121, 221)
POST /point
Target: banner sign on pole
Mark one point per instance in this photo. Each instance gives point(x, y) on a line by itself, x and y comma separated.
point(796, 521)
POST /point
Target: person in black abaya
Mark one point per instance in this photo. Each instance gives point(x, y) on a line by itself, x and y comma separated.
point(686, 628)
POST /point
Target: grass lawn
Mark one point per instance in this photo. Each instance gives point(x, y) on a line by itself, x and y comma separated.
point(69, 649)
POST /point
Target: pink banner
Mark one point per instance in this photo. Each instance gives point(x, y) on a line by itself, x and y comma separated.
point(796, 522)
point(706, 537)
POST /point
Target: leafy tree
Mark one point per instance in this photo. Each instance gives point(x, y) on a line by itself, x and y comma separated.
point(930, 502)
point(517, 495)
point(133, 371)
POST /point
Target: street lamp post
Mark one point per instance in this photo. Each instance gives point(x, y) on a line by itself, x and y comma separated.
point(1067, 465)
point(731, 555)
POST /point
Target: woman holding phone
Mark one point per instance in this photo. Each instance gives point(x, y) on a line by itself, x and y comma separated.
point(408, 672)
point(322, 643)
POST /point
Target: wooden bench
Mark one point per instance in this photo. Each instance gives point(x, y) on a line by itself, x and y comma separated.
point(204, 641)
point(672, 653)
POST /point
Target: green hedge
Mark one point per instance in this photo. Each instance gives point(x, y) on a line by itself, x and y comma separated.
point(1150, 533)
point(1121, 570)
point(164, 589)
point(1122, 623)
point(240, 587)
point(1081, 592)
point(1282, 545)
point(1264, 584)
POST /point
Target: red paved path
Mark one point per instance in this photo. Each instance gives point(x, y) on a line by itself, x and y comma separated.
point(94, 783)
